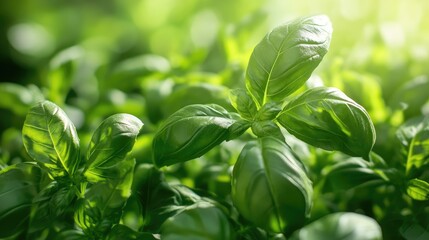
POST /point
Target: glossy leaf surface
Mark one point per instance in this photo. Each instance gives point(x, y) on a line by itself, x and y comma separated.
point(339, 226)
point(286, 57)
point(327, 118)
point(110, 144)
point(269, 187)
point(50, 138)
point(190, 132)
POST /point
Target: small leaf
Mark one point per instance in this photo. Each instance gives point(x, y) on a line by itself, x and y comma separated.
point(418, 189)
point(238, 128)
point(417, 140)
point(340, 226)
point(110, 144)
point(190, 132)
point(327, 118)
point(269, 111)
point(269, 186)
point(120, 232)
point(414, 231)
point(266, 129)
point(243, 103)
point(50, 138)
point(286, 57)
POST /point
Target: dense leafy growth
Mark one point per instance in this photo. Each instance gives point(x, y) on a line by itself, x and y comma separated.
point(317, 130)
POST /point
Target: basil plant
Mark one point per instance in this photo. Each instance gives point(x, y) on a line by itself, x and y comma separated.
point(270, 185)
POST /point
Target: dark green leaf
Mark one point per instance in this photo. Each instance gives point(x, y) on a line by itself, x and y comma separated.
point(190, 132)
point(110, 144)
point(340, 226)
point(269, 186)
point(18, 186)
point(414, 231)
point(120, 232)
point(50, 138)
point(327, 118)
point(286, 57)
point(349, 174)
point(418, 189)
point(243, 103)
point(201, 221)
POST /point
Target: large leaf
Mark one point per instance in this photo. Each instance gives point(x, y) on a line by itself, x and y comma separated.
point(190, 132)
point(110, 144)
point(201, 221)
point(50, 138)
point(327, 118)
point(339, 226)
point(286, 57)
point(269, 186)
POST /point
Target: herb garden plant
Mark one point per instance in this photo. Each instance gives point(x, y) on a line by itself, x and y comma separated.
point(267, 189)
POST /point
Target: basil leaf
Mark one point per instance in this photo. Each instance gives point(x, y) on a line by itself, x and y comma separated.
point(338, 226)
point(18, 186)
point(102, 205)
point(418, 189)
point(190, 132)
point(120, 231)
point(327, 118)
point(50, 138)
point(243, 103)
point(414, 136)
point(284, 60)
point(199, 221)
point(110, 143)
point(269, 111)
point(269, 187)
point(267, 128)
point(349, 174)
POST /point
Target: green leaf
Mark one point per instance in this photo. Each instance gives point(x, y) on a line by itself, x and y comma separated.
point(120, 232)
point(327, 118)
point(50, 138)
point(414, 231)
point(18, 99)
point(267, 128)
point(101, 207)
point(349, 174)
point(418, 189)
point(269, 111)
point(201, 221)
point(18, 186)
point(243, 103)
point(284, 60)
point(339, 226)
point(269, 186)
point(414, 136)
point(110, 144)
point(238, 128)
point(197, 93)
point(190, 132)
